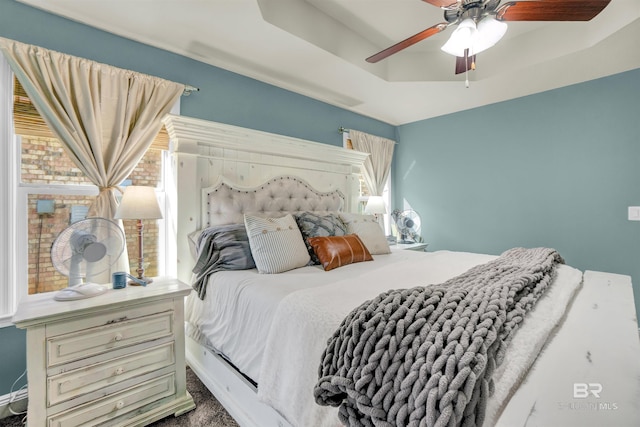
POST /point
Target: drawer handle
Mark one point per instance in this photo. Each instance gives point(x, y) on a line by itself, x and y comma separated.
point(120, 405)
point(118, 337)
point(120, 370)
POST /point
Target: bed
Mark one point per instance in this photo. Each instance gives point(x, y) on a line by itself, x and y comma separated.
point(256, 340)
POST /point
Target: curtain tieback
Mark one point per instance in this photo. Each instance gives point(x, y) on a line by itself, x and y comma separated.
point(111, 187)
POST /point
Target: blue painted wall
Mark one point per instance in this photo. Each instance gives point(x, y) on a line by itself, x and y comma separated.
point(555, 169)
point(13, 360)
point(224, 97)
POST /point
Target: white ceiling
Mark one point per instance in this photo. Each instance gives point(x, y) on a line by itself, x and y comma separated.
point(318, 48)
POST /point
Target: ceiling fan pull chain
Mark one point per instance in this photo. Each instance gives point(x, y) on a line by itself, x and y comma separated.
point(466, 73)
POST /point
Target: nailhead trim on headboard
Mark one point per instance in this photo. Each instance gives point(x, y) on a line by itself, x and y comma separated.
point(275, 198)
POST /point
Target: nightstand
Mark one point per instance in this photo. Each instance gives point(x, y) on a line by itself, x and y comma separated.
point(117, 358)
point(420, 247)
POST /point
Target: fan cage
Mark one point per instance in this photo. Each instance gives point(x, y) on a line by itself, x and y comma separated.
point(87, 248)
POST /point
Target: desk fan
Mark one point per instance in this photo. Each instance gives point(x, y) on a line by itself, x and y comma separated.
point(408, 224)
point(86, 248)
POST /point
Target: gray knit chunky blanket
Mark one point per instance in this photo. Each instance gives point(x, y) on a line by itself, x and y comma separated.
point(425, 356)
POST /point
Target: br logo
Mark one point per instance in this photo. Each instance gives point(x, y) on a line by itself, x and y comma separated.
point(583, 390)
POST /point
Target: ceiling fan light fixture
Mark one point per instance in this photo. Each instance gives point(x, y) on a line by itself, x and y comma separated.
point(481, 23)
point(462, 38)
point(475, 38)
point(490, 31)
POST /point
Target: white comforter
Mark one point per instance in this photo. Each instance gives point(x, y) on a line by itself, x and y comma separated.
point(274, 328)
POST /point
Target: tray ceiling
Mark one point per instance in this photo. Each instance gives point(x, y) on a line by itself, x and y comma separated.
point(318, 48)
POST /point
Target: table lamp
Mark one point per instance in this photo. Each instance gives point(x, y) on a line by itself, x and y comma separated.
point(139, 203)
point(375, 206)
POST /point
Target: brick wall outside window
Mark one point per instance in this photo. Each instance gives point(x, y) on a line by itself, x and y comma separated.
point(45, 162)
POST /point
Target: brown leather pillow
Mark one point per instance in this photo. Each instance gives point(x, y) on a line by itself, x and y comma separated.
point(336, 251)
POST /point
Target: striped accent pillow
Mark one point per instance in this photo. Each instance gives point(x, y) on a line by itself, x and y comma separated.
point(276, 243)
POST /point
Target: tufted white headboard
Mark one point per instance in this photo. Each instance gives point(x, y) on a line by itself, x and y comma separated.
point(226, 204)
point(241, 165)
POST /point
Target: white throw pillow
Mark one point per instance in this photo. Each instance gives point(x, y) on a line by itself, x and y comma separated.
point(369, 231)
point(276, 243)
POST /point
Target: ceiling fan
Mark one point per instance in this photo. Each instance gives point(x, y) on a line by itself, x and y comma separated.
point(480, 24)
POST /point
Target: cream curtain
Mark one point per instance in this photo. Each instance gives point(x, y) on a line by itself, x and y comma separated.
point(106, 117)
point(378, 165)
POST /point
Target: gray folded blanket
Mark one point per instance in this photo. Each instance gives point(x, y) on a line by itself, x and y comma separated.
point(425, 356)
point(224, 247)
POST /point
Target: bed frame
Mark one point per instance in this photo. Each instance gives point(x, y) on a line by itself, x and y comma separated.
point(209, 156)
point(597, 345)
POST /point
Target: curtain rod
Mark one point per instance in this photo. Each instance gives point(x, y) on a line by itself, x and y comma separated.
point(8, 43)
point(345, 130)
point(188, 90)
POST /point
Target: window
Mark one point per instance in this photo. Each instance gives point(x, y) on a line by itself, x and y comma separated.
point(42, 176)
point(364, 190)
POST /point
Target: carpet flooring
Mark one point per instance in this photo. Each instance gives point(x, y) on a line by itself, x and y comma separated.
point(208, 413)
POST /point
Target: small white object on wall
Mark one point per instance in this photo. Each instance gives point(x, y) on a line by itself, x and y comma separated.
point(634, 213)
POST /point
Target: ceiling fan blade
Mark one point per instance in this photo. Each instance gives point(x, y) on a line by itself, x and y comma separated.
point(441, 3)
point(465, 63)
point(407, 42)
point(551, 10)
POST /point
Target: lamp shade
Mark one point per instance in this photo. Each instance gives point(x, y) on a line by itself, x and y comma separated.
point(375, 205)
point(138, 203)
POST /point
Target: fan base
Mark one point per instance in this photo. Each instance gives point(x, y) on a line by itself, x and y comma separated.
point(82, 291)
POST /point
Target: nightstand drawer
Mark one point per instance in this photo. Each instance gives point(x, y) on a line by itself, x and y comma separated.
point(103, 410)
point(105, 317)
point(105, 375)
point(89, 342)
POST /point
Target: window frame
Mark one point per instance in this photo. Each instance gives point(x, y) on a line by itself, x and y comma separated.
point(14, 213)
point(8, 279)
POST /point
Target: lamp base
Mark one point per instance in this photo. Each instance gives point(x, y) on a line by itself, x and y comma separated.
point(136, 282)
